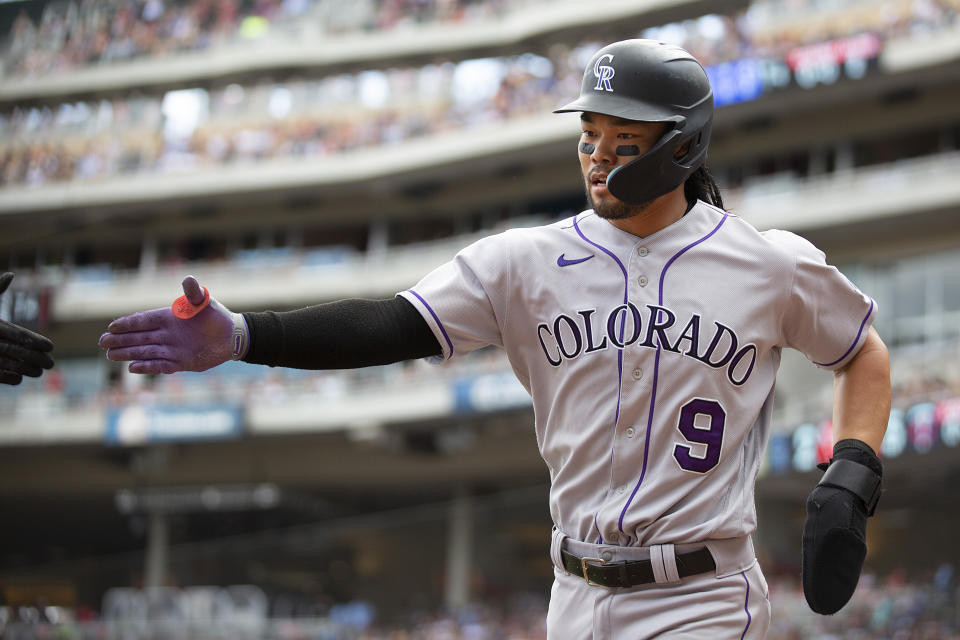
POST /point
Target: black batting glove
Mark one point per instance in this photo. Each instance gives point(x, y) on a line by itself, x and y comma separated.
point(22, 352)
point(834, 535)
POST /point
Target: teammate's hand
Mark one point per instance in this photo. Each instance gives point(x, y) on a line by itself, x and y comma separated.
point(835, 532)
point(196, 333)
point(22, 352)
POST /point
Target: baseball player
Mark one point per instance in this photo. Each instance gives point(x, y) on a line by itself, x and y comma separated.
point(22, 352)
point(648, 331)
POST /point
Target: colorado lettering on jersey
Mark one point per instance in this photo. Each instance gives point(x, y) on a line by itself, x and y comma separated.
point(570, 336)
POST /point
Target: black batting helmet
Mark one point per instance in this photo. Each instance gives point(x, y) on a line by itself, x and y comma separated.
point(650, 81)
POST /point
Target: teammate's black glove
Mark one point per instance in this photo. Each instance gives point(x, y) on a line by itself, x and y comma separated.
point(834, 535)
point(22, 352)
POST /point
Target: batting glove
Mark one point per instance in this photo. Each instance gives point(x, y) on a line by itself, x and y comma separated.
point(834, 535)
point(22, 352)
point(195, 333)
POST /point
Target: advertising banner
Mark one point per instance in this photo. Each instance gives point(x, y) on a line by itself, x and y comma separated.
point(137, 425)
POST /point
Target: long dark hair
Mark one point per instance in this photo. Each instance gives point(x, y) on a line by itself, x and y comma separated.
point(701, 186)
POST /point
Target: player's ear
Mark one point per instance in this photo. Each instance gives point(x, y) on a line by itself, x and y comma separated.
point(682, 150)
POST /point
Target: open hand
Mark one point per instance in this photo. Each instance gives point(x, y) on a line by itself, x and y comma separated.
point(201, 335)
point(22, 352)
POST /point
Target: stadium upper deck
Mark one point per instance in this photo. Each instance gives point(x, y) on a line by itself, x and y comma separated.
point(88, 47)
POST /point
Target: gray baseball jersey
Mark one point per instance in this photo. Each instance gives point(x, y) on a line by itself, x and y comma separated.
point(651, 361)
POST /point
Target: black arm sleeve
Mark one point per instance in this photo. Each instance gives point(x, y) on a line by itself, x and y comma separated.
point(340, 335)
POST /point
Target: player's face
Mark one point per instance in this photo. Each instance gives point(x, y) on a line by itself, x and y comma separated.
point(606, 142)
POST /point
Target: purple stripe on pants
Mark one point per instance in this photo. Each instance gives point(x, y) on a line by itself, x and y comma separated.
point(746, 603)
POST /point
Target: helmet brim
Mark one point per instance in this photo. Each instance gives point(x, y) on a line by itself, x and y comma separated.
point(620, 107)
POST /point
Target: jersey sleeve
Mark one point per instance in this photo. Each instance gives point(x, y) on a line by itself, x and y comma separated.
point(461, 300)
point(827, 317)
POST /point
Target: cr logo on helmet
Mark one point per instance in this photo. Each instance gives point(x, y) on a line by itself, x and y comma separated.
point(604, 73)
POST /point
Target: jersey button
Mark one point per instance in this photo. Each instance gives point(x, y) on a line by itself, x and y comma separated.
point(642, 252)
point(622, 488)
point(642, 281)
point(631, 432)
point(637, 373)
point(613, 536)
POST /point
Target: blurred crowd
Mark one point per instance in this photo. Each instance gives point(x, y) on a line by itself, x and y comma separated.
point(77, 33)
point(523, 619)
point(322, 116)
point(298, 119)
point(891, 607)
point(58, 36)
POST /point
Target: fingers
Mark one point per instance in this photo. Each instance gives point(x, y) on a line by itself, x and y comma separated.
point(131, 339)
point(154, 366)
point(193, 291)
point(8, 377)
point(19, 359)
point(140, 352)
point(20, 368)
point(42, 359)
point(37, 342)
point(135, 345)
point(140, 321)
point(19, 335)
point(144, 351)
point(30, 364)
point(5, 281)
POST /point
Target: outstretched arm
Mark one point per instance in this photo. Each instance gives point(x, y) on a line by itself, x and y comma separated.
point(346, 334)
point(198, 333)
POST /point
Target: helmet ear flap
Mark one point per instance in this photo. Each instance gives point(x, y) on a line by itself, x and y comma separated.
point(695, 150)
point(685, 151)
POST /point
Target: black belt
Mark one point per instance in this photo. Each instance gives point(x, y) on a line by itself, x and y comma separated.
point(630, 573)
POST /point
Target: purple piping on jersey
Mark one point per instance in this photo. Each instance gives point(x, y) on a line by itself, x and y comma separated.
point(656, 372)
point(597, 527)
point(623, 327)
point(855, 341)
point(623, 269)
point(439, 324)
point(746, 603)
